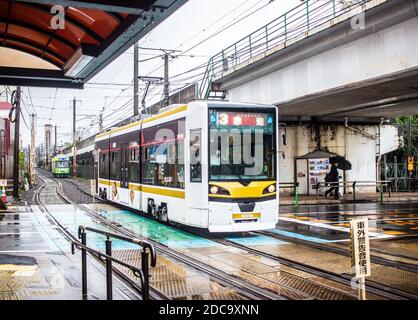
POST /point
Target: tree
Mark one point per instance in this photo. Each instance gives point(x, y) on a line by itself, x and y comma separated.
point(403, 122)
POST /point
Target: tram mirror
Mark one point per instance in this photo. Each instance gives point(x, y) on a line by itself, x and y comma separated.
point(284, 138)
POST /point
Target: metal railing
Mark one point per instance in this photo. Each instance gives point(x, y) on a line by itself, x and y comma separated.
point(289, 26)
point(403, 184)
point(142, 273)
point(380, 186)
point(294, 186)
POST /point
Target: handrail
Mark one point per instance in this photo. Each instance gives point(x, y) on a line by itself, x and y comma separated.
point(288, 26)
point(142, 274)
point(355, 184)
point(144, 244)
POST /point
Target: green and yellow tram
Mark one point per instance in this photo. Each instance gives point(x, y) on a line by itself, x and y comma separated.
point(61, 166)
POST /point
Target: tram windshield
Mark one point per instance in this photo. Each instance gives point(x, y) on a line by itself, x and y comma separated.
point(242, 146)
point(62, 164)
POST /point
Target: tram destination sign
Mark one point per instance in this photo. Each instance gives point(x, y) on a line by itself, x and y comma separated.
point(360, 247)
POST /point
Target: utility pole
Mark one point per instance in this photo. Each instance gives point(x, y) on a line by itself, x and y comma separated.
point(136, 62)
point(410, 158)
point(32, 151)
point(74, 140)
point(55, 145)
point(410, 136)
point(101, 122)
point(16, 147)
point(166, 81)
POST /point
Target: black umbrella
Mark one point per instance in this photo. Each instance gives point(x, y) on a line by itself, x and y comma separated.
point(341, 162)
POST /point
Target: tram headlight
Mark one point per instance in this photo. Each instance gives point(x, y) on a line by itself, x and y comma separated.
point(214, 190)
point(270, 189)
point(218, 190)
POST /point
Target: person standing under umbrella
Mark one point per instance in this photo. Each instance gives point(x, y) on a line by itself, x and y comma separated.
point(334, 180)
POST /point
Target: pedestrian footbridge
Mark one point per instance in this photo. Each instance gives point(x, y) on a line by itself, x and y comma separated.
point(327, 61)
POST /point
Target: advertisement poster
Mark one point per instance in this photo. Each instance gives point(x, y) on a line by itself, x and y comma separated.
point(318, 169)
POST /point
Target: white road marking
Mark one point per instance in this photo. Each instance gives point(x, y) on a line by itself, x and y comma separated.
point(326, 226)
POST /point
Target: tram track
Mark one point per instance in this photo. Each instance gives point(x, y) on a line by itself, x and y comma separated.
point(304, 284)
point(71, 238)
point(375, 288)
point(242, 287)
point(371, 287)
point(346, 252)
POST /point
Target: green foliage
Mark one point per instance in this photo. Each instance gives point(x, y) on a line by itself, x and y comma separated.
point(404, 123)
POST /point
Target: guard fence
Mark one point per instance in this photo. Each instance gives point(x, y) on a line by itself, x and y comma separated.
point(147, 252)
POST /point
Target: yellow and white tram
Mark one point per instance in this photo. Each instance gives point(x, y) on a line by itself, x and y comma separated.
point(207, 164)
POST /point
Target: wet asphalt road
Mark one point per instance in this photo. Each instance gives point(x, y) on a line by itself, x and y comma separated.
point(332, 222)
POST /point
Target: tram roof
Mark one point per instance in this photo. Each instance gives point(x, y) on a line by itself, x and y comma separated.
point(34, 53)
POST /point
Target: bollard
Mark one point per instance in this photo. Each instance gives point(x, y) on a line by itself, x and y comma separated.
point(381, 195)
point(145, 271)
point(297, 195)
point(354, 191)
point(109, 288)
point(83, 236)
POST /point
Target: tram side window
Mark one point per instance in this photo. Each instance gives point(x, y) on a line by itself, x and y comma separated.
point(115, 166)
point(134, 162)
point(163, 155)
point(104, 166)
point(195, 155)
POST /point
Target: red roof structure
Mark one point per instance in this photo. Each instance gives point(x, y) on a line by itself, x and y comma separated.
point(94, 33)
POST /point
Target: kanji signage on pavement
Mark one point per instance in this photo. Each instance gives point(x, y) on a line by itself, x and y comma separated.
point(360, 247)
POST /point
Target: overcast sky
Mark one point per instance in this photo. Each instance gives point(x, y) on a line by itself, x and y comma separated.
point(192, 23)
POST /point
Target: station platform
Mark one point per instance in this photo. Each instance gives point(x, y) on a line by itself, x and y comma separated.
point(36, 262)
point(348, 198)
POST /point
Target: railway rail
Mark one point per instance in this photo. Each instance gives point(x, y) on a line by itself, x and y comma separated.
point(301, 286)
point(242, 287)
point(135, 288)
point(304, 285)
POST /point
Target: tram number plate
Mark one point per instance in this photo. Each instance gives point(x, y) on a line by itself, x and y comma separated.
point(245, 215)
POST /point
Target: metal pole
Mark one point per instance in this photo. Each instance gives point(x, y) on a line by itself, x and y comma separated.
point(16, 148)
point(136, 80)
point(166, 82)
point(395, 172)
point(109, 288)
point(145, 271)
point(354, 191)
point(55, 145)
point(362, 289)
point(32, 151)
point(101, 122)
point(74, 140)
point(381, 194)
point(84, 265)
point(297, 194)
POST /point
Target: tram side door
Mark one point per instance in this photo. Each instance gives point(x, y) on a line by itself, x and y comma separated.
point(124, 164)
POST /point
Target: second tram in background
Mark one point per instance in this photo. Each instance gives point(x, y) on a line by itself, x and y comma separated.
point(209, 165)
point(60, 166)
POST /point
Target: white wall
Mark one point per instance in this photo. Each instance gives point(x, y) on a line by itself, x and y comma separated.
point(359, 149)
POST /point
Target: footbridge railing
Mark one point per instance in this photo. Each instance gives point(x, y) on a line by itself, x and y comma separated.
point(299, 20)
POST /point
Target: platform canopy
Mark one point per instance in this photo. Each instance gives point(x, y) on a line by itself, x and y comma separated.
point(36, 51)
